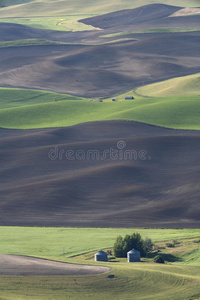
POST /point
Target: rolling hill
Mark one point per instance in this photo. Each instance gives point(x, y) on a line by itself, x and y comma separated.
point(187, 85)
point(144, 17)
point(25, 109)
point(156, 186)
point(141, 16)
point(21, 8)
point(95, 63)
point(69, 161)
point(101, 70)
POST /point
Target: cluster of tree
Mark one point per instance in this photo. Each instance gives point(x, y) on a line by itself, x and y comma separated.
point(123, 245)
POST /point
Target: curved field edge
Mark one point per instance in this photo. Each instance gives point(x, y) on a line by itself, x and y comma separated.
point(61, 23)
point(128, 281)
point(43, 42)
point(124, 281)
point(153, 30)
point(14, 97)
point(47, 15)
point(185, 85)
point(55, 242)
point(51, 8)
point(28, 42)
point(25, 109)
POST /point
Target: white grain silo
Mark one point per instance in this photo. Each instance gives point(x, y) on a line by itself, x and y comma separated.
point(133, 256)
point(101, 256)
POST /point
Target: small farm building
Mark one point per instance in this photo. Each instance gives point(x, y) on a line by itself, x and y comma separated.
point(129, 98)
point(97, 100)
point(101, 256)
point(133, 256)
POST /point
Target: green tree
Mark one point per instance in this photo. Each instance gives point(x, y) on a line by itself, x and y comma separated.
point(123, 245)
point(148, 245)
point(118, 247)
point(127, 244)
point(138, 243)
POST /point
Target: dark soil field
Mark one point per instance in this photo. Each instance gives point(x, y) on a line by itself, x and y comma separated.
point(41, 185)
point(92, 69)
point(147, 16)
point(103, 70)
point(50, 178)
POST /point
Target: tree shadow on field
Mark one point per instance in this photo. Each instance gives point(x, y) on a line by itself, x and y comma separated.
point(113, 259)
point(170, 257)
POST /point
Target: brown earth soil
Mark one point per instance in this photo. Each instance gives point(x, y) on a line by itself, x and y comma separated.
point(84, 68)
point(40, 185)
point(13, 265)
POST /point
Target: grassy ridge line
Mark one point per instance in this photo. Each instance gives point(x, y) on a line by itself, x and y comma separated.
point(28, 42)
point(21, 108)
point(180, 112)
point(63, 23)
point(186, 85)
point(153, 30)
point(14, 97)
point(41, 42)
point(66, 7)
point(172, 112)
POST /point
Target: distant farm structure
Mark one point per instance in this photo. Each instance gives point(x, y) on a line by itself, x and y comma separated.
point(133, 256)
point(129, 98)
point(97, 100)
point(101, 256)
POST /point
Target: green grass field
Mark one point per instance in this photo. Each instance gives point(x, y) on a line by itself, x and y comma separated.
point(138, 281)
point(25, 109)
point(153, 30)
point(66, 242)
point(62, 23)
point(42, 42)
point(186, 85)
point(143, 280)
point(27, 42)
point(22, 97)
